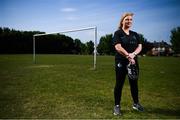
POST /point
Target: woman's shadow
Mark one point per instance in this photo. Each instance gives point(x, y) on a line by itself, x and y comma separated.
point(157, 112)
point(165, 112)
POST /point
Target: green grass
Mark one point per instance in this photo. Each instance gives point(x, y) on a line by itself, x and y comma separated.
point(64, 86)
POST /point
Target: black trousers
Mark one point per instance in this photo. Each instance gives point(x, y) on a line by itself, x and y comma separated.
point(121, 72)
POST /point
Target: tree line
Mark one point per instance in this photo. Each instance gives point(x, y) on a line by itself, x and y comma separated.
point(14, 41)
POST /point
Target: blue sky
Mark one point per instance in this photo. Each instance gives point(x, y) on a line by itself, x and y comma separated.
point(153, 18)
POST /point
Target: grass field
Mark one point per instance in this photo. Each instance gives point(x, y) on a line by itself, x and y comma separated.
point(64, 86)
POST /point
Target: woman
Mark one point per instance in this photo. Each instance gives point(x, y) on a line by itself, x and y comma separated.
point(127, 45)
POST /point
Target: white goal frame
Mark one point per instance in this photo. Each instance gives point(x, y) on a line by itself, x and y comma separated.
point(68, 31)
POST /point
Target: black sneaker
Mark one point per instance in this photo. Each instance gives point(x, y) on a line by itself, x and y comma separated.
point(138, 107)
point(116, 110)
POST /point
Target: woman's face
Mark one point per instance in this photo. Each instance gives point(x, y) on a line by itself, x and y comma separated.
point(127, 22)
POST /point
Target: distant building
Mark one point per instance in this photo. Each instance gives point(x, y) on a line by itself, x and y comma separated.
point(161, 49)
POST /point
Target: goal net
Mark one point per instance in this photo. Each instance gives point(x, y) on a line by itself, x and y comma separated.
point(94, 33)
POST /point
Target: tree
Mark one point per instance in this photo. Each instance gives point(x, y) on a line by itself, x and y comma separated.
point(105, 45)
point(175, 39)
point(146, 46)
point(83, 49)
point(90, 47)
point(77, 46)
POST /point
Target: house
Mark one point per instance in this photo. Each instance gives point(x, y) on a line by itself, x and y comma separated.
point(161, 49)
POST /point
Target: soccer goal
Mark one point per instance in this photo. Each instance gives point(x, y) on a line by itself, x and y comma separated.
point(69, 31)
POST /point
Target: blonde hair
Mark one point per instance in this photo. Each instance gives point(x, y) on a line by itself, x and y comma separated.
point(123, 16)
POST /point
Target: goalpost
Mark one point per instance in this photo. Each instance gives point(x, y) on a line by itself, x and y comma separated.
point(69, 31)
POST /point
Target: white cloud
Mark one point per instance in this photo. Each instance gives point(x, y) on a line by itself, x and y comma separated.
point(68, 9)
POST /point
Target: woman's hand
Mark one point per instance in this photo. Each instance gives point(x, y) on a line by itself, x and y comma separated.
point(132, 55)
point(132, 61)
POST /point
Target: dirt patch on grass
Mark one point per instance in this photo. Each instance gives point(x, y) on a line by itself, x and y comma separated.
point(40, 66)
